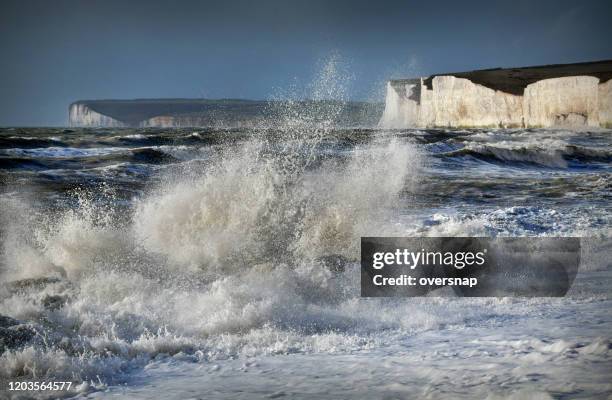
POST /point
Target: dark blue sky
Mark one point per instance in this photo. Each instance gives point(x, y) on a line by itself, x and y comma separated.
point(55, 52)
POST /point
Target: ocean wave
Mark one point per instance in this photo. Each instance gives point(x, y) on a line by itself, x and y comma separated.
point(554, 157)
point(51, 159)
point(229, 261)
point(257, 204)
point(21, 163)
point(28, 142)
point(62, 152)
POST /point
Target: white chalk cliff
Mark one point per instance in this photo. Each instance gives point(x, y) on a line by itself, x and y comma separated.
point(82, 115)
point(455, 101)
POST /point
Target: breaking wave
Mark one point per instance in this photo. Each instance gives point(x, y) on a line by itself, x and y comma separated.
point(252, 252)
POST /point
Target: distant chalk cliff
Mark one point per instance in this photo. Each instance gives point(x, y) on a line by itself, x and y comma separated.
point(572, 95)
point(177, 113)
point(81, 114)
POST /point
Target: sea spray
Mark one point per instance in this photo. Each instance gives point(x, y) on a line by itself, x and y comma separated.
point(266, 202)
point(221, 258)
point(243, 210)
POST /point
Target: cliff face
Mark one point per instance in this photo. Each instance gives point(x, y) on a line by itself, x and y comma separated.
point(571, 101)
point(459, 102)
point(80, 115)
point(605, 104)
point(456, 101)
point(146, 112)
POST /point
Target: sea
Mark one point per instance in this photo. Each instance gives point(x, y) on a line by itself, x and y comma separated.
point(223, 263)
